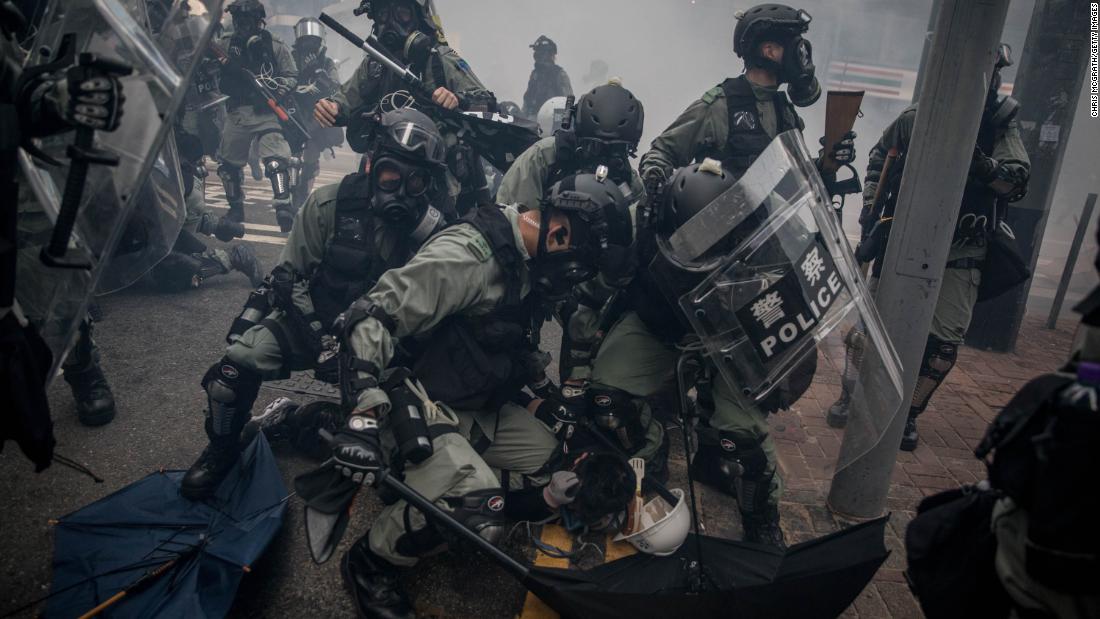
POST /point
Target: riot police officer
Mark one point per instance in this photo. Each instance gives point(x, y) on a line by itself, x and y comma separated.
point(253, 54)
point(344, 238)
point(602, 128)
point(317, 78)
point(999, 172)
point(547, 80)
point(470, 346)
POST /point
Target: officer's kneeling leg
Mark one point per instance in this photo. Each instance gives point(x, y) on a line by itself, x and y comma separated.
point(231, 389)
point(630, 422)
point(460, 482)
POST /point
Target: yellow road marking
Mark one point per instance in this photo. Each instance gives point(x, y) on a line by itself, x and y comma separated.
point(533, 607)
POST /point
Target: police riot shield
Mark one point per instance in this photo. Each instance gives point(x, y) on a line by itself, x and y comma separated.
point(152, 226)
point(55, 296)
point(776, 298)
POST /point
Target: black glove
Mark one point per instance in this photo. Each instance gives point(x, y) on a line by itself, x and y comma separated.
point(358, 453)
point(654, 179)
point(92, 95)
point(562, 413)
point(982, 166)
point(844, 151)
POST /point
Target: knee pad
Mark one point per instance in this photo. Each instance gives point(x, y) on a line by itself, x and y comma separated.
point(294, 171)
point(939, 358)
point(231, 390)
point(481, 511)
point(232, 180)
point(731, 455)
point(277, 170)
point(618, 413)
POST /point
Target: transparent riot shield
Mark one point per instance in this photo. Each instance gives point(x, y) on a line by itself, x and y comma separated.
point(56, 297)
point(152, 226)
point(779, 290)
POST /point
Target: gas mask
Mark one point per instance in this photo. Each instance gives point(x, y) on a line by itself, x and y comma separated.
point(543, 58)
point(246, 26)
point(400, 192)
point(615, 154)
point(797, 70)
point(395, 24)
point(556, 273)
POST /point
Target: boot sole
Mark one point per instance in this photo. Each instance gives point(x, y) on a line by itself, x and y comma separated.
point(93, 420)
point(836, 421)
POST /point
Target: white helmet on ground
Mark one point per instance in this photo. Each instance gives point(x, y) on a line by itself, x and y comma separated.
point(664, 527)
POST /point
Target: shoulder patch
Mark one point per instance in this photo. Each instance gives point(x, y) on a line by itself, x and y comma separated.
point(479, 247)
point(712, 94)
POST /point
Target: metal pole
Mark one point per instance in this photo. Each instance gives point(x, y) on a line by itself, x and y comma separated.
point(958, 71)
point(932, 16)
point(1052, 72)
point(1071, 261)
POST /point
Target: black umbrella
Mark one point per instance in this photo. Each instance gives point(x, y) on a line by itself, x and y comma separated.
point(818, 578)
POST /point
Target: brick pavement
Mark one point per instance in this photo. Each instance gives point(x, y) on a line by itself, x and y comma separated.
point(980, 384)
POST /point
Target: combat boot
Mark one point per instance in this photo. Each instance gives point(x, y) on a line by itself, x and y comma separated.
point(208, 472)
point(374, 583)
point(242, 258)
point(837, 415)
point(95, 403)
point(763, 528)
point(284, 215)
point(909, 438)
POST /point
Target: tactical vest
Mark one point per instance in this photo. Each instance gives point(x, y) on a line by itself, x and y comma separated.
point(352, 262)
point(747, 137)
point(478, 363)
point(648, 299)
point(263, 54)
point(978, 199)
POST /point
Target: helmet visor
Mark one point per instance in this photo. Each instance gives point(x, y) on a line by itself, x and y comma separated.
point(309, 28)
point(419, 142)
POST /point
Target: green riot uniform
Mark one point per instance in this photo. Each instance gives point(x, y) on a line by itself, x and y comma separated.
point(259, 348)
point(314, 79)
point(536, 169)
point(998, 143)
point(250, 120)
point(545, 83)
point(703, 129)
point(638, 354)
point(417, 303)
point(959, 290)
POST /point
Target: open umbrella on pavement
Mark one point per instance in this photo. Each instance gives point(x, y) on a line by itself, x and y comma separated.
point(145, 551)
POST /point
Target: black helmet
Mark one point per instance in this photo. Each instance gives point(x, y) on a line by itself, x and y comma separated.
point(610, 113)
point(545, 44)
point(691, 190)
point(410, 135)
point(767, 22)
point(599, 218)
point(246, 7)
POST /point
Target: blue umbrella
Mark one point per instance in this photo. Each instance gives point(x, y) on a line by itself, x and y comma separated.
point(145, 551)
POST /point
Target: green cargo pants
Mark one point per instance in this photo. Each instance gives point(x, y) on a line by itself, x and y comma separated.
point(519, 443)
point(633, 359)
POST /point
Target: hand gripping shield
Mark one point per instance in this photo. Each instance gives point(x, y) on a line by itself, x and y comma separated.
point(113, 30)
point(767, 280)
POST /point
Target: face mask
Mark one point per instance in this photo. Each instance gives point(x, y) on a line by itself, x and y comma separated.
point(246, 25)
point(556, 273)
point(400, 193)
point(797, 69)
point(418, 46)
point(394, 23)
